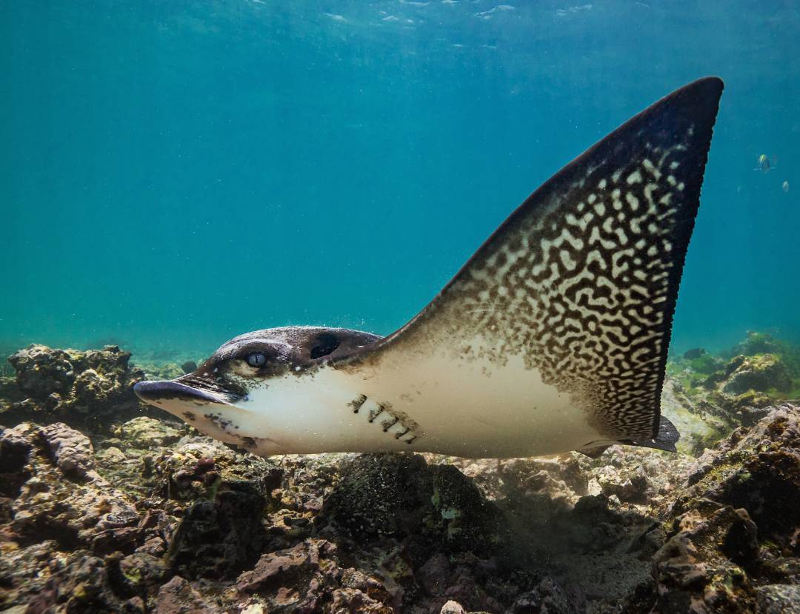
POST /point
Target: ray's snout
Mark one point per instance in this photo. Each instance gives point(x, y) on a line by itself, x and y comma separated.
point(153, 392)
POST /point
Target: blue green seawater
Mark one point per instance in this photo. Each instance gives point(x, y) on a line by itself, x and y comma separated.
point(175, 173)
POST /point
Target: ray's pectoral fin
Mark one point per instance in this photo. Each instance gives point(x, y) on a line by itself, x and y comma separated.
point(666, 438)
point(579, 284)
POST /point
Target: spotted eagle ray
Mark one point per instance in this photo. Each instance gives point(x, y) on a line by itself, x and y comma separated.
point(552, 337)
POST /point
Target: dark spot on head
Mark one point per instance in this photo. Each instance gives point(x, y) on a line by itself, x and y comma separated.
point(189, 416)
point(324, 344)
point(248, 442)
point(189, 366)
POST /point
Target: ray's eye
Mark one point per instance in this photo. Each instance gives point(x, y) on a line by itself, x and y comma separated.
point(256, 359)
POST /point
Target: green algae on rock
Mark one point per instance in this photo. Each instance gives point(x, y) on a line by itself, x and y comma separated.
point(760, 372)
point(707, 396)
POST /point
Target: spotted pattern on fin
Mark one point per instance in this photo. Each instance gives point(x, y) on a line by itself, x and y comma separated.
point(582, 291)
point(581, 280)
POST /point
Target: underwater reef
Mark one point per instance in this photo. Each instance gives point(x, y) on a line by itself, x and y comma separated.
point(108, 506)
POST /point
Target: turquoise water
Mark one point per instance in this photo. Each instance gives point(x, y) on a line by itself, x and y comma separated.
point(176, 173)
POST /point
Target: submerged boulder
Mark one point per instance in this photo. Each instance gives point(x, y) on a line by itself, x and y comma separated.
point(707, 396)
point(221, 537)
point(401, 496)
point(60, 495)
point(64, 523)
point(734, 525)
point(72, 386)
point(758, 343)
point(761, 373)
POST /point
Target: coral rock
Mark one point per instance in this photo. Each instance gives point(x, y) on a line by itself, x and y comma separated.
point(778, 599)
point(400, 495)
point(161, 519)
point(307, 578)
point(42, 371)
point(760, 373)
point(547, 598)
point(220, 538)
point(60, 496)
point(735, 521)
point(77, 387)
point(178, 595)
point(452, 607)
point(71, 450)
point(144, 432)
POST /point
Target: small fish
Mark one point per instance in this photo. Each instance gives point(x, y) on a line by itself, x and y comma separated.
point(552, 337)
point(765, 163)
point(785, 186)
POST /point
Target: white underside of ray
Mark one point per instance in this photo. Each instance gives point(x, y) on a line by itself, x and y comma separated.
point(431, 403)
